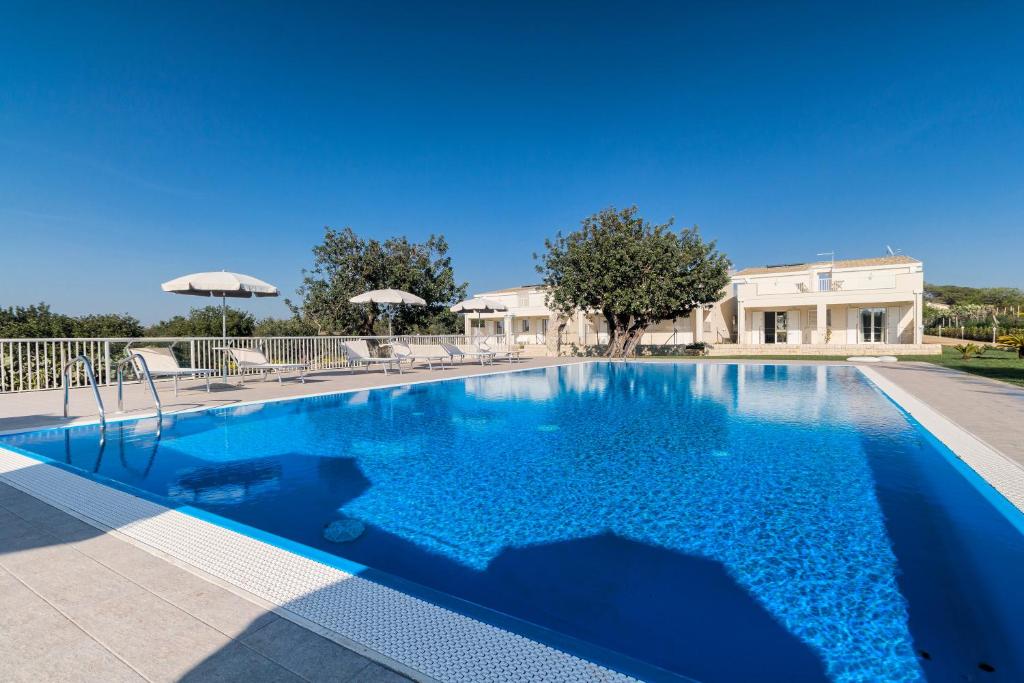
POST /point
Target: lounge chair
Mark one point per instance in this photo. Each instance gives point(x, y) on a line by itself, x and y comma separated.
point(162, 363)
point(431, 354)
point(512, 355)
point(358, 353)
point(253, 359)
point(460, 353)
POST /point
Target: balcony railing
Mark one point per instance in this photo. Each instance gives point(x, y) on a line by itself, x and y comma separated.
point(822, 285)
point(36, 364)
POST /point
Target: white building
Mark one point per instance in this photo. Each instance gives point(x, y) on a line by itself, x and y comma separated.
point(524, 322)
point(861, 302)
point(860, 306)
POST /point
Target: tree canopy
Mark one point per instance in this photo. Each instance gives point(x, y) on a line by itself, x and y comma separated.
point(631, 272)
point(957, 295)
point(345, 264)
point(204, 322)
point(38, 321)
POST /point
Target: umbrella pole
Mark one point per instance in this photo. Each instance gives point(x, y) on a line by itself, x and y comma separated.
point(223, 337)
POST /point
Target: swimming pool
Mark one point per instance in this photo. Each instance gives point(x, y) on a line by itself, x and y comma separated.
point(718, 522)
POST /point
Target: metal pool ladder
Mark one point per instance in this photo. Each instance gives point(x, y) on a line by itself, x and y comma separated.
point(149, 378)
point(92, 382)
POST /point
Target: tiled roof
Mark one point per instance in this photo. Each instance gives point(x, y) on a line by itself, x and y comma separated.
point(899, 259)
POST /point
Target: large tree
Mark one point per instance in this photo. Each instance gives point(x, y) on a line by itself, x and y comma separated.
point(345, 265)
point(632, 273)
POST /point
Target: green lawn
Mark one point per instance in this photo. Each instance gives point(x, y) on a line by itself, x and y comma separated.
point(995, 364)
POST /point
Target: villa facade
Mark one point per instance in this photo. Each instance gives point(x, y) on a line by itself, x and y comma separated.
point(874, 303)
point(847, 307)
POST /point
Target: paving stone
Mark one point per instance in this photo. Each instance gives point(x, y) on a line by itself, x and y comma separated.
point(41, 644)
point(238, 663)
point(310, 655)
point(375, 673)
point(152, 636)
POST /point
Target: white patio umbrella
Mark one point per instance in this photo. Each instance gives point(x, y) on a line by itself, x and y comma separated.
point(390, 298)
point(478, 305)
point(223, 284)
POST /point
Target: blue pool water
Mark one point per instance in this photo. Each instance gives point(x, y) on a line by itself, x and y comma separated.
point(714, 522)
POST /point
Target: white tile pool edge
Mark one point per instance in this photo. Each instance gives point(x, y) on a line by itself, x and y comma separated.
point(1002, 473)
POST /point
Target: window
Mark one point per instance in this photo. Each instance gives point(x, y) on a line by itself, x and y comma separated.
point(524, 299)
point(525, 325)
point(872, 325)
point(477, 324)
point(499, 327)
point(544, 326)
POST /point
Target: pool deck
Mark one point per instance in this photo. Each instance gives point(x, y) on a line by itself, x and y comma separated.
point(81, 603)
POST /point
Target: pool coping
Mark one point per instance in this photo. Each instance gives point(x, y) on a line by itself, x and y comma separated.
point(998, 470)
point(418, 638)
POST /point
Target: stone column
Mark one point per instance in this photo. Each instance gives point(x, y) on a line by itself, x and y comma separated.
point(822, 322)
point(698, 325)
point(741, 323)
point(919, 317)
point(510, 333)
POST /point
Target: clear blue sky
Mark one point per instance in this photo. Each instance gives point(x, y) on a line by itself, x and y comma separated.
point(141, 141)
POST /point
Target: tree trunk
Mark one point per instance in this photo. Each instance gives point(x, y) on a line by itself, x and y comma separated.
point(614, 336)
point(628, 332)
point(633, 337)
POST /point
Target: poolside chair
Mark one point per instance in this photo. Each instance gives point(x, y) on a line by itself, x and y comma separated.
point(511, 355)
point(460, 353)
point(431, 354)
point(254, 359)
point(162, 363)
point(358, 353)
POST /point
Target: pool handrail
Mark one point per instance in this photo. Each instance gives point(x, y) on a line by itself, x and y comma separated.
point(91, 376)
point(146, 374)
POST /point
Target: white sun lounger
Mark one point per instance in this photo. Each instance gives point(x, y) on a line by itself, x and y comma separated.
point(358, 353)
point(162, 363)
point(253, 359)
point(457, 352)
point(431, 354)
point(510, 356)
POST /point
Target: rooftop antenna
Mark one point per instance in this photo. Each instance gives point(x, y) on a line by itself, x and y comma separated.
point(831, 254)
point(891, 251)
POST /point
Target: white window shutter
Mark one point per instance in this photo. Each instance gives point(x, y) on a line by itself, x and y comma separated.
point(852, 325)
point(892, 324)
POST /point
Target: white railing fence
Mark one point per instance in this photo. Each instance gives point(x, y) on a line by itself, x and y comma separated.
point(36, 364)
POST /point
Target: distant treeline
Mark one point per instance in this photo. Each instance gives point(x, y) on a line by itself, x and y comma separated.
point(38, 321)
point(955, 295)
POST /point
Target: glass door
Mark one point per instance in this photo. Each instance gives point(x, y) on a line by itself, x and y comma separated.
point(775, 326)
point(872, 325)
